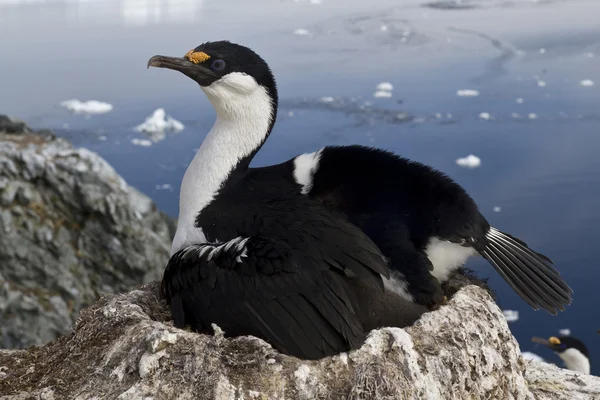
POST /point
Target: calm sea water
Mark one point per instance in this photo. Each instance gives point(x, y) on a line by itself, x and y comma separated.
point(525, 57)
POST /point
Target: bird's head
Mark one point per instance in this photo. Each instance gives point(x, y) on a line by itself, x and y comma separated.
point(561, 344)
point(233, 77)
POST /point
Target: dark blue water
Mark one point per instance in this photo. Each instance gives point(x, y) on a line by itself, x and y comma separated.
point(544, 173)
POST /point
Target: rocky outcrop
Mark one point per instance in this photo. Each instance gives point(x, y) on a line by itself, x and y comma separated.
point(125, 347)
point(71, 229)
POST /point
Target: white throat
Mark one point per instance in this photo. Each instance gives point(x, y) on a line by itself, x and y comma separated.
point(575, 360)
point(244, 111)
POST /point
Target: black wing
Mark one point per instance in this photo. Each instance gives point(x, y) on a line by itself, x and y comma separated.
point(296, 293)
point(366, 183)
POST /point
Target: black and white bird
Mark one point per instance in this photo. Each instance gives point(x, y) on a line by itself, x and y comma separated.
point(571, 350)
point(312, 253)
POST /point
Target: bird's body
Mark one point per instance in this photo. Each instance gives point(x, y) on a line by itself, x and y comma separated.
point(571, 350)
point(311, 253)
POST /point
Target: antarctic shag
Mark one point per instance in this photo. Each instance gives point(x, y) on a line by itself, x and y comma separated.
point(571, 350)
point(312, 253)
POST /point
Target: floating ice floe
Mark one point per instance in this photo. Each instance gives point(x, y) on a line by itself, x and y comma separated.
point(564, 332)
point(520, 100)
point(469, 161)
point(141, 142)
point(326, 99)
point(164, 186)
point(485, 116)
point(302, 32)
point(541, 83)
point(383, 90)
point(515, 115)
point(382, 94)
point(587, 83)
point(467, 93)
point(542, 51)
point(532, 116)
point(86, 107)
point(385, 86)
point(497, 209)
point(590, 55)
point(529, 356)
point(511, 315)
point(158, 123)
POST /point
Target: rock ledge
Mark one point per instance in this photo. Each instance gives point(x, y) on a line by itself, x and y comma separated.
point(125, 347)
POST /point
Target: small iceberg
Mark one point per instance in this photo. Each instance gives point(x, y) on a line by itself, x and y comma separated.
point(302, 32)
point(565, 332)
point(382, 94)
point(385, 86)
point(469, 161)
point(86, 107)
point(511, 315)
point(467, 93)
point(157, 124)
point(587, 83)
point(141, 142)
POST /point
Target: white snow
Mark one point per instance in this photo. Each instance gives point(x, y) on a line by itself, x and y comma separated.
point(520, 100)
point(327, 99)
point(86, 107)
point(497, 209)
point(382, 94)
point(515, 115)
point(469, 161)
point(159, 121)
point(486, 116)
point(564, 332)
point(511, 315)
point(527, 355)
point(532, 116)
point(301, 32)
point(467, 93)
point(587, 83)
point(541, 83)
point(141, 142)
point(385, 86)
point(542, 50)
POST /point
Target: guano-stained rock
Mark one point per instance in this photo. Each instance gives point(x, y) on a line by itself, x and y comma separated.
point(125, 347)
point(71, 229)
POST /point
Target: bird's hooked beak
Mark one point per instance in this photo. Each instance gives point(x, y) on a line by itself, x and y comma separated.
point(551, 342)
point(188, 65)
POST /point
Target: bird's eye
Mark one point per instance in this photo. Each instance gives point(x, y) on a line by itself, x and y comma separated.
point(217, 65)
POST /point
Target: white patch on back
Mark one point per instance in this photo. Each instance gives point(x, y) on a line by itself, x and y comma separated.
point(446, 257)
point(575, 360)
point(244, 111)
point(397, 284)
point(305, 167)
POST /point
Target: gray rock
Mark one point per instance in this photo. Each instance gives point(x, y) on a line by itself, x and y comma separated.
point(71, 229)
point(125, 347)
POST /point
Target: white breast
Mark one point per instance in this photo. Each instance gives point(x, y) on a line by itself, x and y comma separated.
point(446, 257)
point(575, 360)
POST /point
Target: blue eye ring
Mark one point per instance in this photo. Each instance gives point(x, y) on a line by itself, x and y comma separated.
point(217, 65)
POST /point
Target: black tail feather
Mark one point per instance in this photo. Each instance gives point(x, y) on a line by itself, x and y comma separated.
point(529, 273)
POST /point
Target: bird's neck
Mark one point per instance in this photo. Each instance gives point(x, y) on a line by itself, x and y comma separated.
point(242, 126)
point(575, 360)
